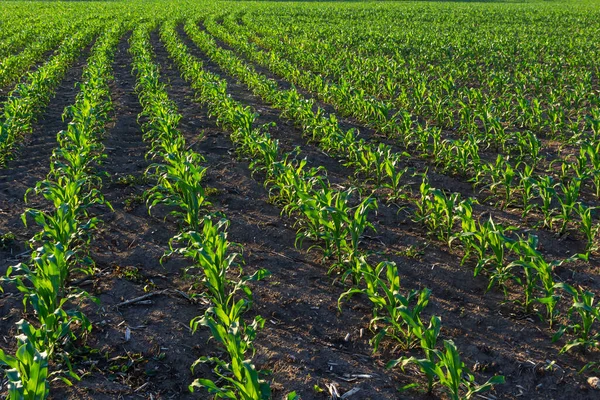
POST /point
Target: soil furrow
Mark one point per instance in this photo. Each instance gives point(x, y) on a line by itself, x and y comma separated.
point(155, 361)
point(304, 331)
point(32, 163)
point(466, 304)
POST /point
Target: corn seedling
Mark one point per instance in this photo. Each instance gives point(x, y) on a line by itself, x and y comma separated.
point(527, 186)
point(585, 326)
point(390, 306)
point(587, 227)
point(547, 192)
point(445, 368)
point(28, 369)
point(437, 211)
point(538, 277)
point(568, 200)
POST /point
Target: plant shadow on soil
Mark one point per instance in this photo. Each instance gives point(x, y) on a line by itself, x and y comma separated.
point(306, 341)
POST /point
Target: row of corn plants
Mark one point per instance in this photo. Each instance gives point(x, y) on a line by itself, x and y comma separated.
point(376, 163)
point(325, 216)
point(508, 85)
point(436, 210)
point(440, 213)
point(324, 208)
point(60, 248)
point(26, 31)
point(583, 168)
point(13, 66)
point(296, 49)
point(509, 258)
point(27, 99)
point(19, 32)
point(510, 180)
point(203, 238)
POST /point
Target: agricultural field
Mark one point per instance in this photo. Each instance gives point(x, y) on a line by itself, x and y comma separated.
point(299, 200)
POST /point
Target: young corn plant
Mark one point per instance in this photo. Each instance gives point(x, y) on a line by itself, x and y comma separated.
point(592, 151)
point(528, 146)
point(587, 227)
point(371, 161)
point(489, 241)
point(231, 299)
point(446, 368)
point(580, 167)
point(465, 158)
point(437, 211)
point(593, 121)
point(238, 379)
point(287, 178)
point(28, 369)
point(547, 192)
point(394, 174)
point(427, 335)
point(329, 218)
point(180, 184)
point(326, 218)
point(538, 278)
point(527, 186)
point(209, 249)
point(468, 227)
point(502, 177)
point(585, 326)
point(570, 196)
point(357, 226)
point(44, 287)
point(390, 306)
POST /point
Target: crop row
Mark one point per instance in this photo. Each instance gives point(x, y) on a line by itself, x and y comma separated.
point(445, 77)
point(514, 113)
point(325, 216)
point(60, 248)
point(203, 239)
point(512, 183)
point(25, 31)
point(14, 65)
point(27, 99)
point(505, 258)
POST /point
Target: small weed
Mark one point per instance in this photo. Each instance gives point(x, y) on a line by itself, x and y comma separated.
point(131, 180)
point(412, 251)
point(213, 192)
point(6, 240)
point(132, 201)
point(132, 274)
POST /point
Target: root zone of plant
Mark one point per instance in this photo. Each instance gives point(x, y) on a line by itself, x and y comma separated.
point(145, 350)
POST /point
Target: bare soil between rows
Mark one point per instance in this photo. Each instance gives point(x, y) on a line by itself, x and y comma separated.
point(307, 342)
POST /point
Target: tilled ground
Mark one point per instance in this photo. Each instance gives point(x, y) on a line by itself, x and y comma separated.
point(30, 165)
point(307, 342)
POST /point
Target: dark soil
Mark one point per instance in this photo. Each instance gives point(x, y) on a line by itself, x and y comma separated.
point(6, 90)
point(307, 343)
point(489, 334)
point(30, 165)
